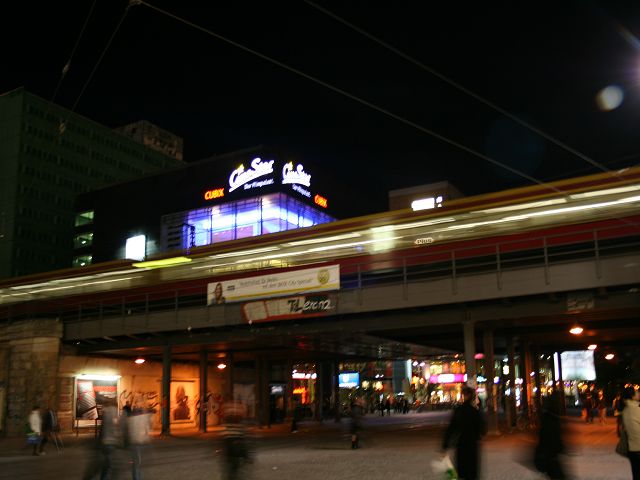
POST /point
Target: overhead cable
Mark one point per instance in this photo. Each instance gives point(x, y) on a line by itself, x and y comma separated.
point(352, 97)
point(459, 87)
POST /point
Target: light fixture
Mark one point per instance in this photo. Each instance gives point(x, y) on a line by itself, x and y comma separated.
point(222, 366)
point(139, 361)
point(593, 346)
point(576, 330)
point(609, 356)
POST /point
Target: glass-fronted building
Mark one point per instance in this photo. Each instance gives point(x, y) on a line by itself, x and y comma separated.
point(238, 219)
point(230, 197)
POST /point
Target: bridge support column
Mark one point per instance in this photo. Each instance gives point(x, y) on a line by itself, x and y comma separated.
point(557, 357)
point(537, 395)
point(470, 352)
point(204, 363)
point(319, 400)
point(525, 373)
point(511, 399)
point(166, 390)
point(489, 373)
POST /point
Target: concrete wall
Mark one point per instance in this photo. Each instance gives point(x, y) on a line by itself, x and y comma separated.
point(141, 386)
point(28, 368)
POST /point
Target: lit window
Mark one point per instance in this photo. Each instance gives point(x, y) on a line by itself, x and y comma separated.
point(84, 218)
point(83, 240)
point(82, 260)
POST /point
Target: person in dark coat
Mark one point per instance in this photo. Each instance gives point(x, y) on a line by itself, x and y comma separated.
point(465, 429)
point(550, 445)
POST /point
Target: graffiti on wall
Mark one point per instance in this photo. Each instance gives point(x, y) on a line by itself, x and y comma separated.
point(213, 407)
point(148, 400)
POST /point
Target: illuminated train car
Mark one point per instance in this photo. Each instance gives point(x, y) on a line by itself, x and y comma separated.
point(582, 217)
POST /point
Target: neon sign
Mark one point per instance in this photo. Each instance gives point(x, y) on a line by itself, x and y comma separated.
point(320, 200)
point(240, 176)
point(299, 176)
point(215, 193)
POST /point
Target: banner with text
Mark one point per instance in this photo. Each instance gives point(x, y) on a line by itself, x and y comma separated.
point(309, 280)
point(301, 306)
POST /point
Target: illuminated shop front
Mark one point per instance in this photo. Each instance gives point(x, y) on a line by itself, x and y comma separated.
point(251, 217)
point(226, 198)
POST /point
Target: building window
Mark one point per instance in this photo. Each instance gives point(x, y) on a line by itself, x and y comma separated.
point(84, 218)
point(83, 240)
point(82, 260)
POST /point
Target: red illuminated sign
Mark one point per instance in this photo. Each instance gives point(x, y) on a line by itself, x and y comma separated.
point(320, 200)
point(215, 193)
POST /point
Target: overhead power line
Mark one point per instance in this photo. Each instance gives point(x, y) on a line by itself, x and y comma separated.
point(456, 85)
point(351, 96)
point(67, 65)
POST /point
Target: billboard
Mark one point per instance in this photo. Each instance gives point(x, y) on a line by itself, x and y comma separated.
point(349, 380)
point(578, 365)
point(277, 284)
point(300, 306)
point(92, 393)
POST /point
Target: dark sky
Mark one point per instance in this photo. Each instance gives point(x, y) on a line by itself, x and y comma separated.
point(544, 62)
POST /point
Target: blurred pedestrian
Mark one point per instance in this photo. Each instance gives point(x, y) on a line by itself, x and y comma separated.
point(138, 425)
point(236, 448)
point(602, 408)
point(631, 424)
point(588, 408)
point(34, 425)
point(356, 422)
point(109, 440)
point(550, 444)
point(464, 432)
point(617, 407)
point(49, 428)
point(387, 406)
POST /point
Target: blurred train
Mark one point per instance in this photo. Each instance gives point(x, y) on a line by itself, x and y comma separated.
point(592, 215)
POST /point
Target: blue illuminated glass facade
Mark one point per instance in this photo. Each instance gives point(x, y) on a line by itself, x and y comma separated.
point(238, 219)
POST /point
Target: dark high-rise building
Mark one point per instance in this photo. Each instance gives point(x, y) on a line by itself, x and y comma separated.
point(48, 155)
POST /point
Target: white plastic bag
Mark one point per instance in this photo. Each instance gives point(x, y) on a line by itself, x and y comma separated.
point(444, 468)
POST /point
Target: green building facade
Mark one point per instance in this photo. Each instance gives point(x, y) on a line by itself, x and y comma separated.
point(48, 155)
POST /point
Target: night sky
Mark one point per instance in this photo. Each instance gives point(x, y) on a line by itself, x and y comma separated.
point(544, 63)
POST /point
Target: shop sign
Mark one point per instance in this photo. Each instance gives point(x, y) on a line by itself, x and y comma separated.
point(308, 280)
point(448, 378)
point(214, 193)
point(289, 307)
point(241, 177)
point(320, 200)
point(299, 176)
point(92, 393)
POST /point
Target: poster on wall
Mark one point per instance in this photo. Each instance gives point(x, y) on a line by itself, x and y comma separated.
point(92, 393)
point(307, 280)
point(183, 401)
point(578, 365)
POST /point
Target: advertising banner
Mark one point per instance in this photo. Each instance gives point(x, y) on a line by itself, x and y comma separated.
point(578, 365)
point(182, 402)
point(289, 307)
point(319, 279)
point(92, 394)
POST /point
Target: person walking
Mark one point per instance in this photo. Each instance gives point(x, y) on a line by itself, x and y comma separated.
point(34, 424)
point(356, 420)
point(588, 408)
point(237, 452)
point(49, 428)
point(109, 440)
point(138, 425)
point(631, 424)
point(602, 408)
point(550, 444)
point(617, 407)
point(465, 430)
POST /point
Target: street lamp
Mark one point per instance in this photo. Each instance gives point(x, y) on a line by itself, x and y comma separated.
point(593, 346)
point(576, 330)
point(609, 356)
point(139, 361)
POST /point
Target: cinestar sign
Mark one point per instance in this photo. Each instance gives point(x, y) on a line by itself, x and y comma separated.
point(299, 176)
point(240, 176)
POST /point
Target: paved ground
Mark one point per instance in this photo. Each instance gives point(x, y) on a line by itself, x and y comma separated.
point(397, 447)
